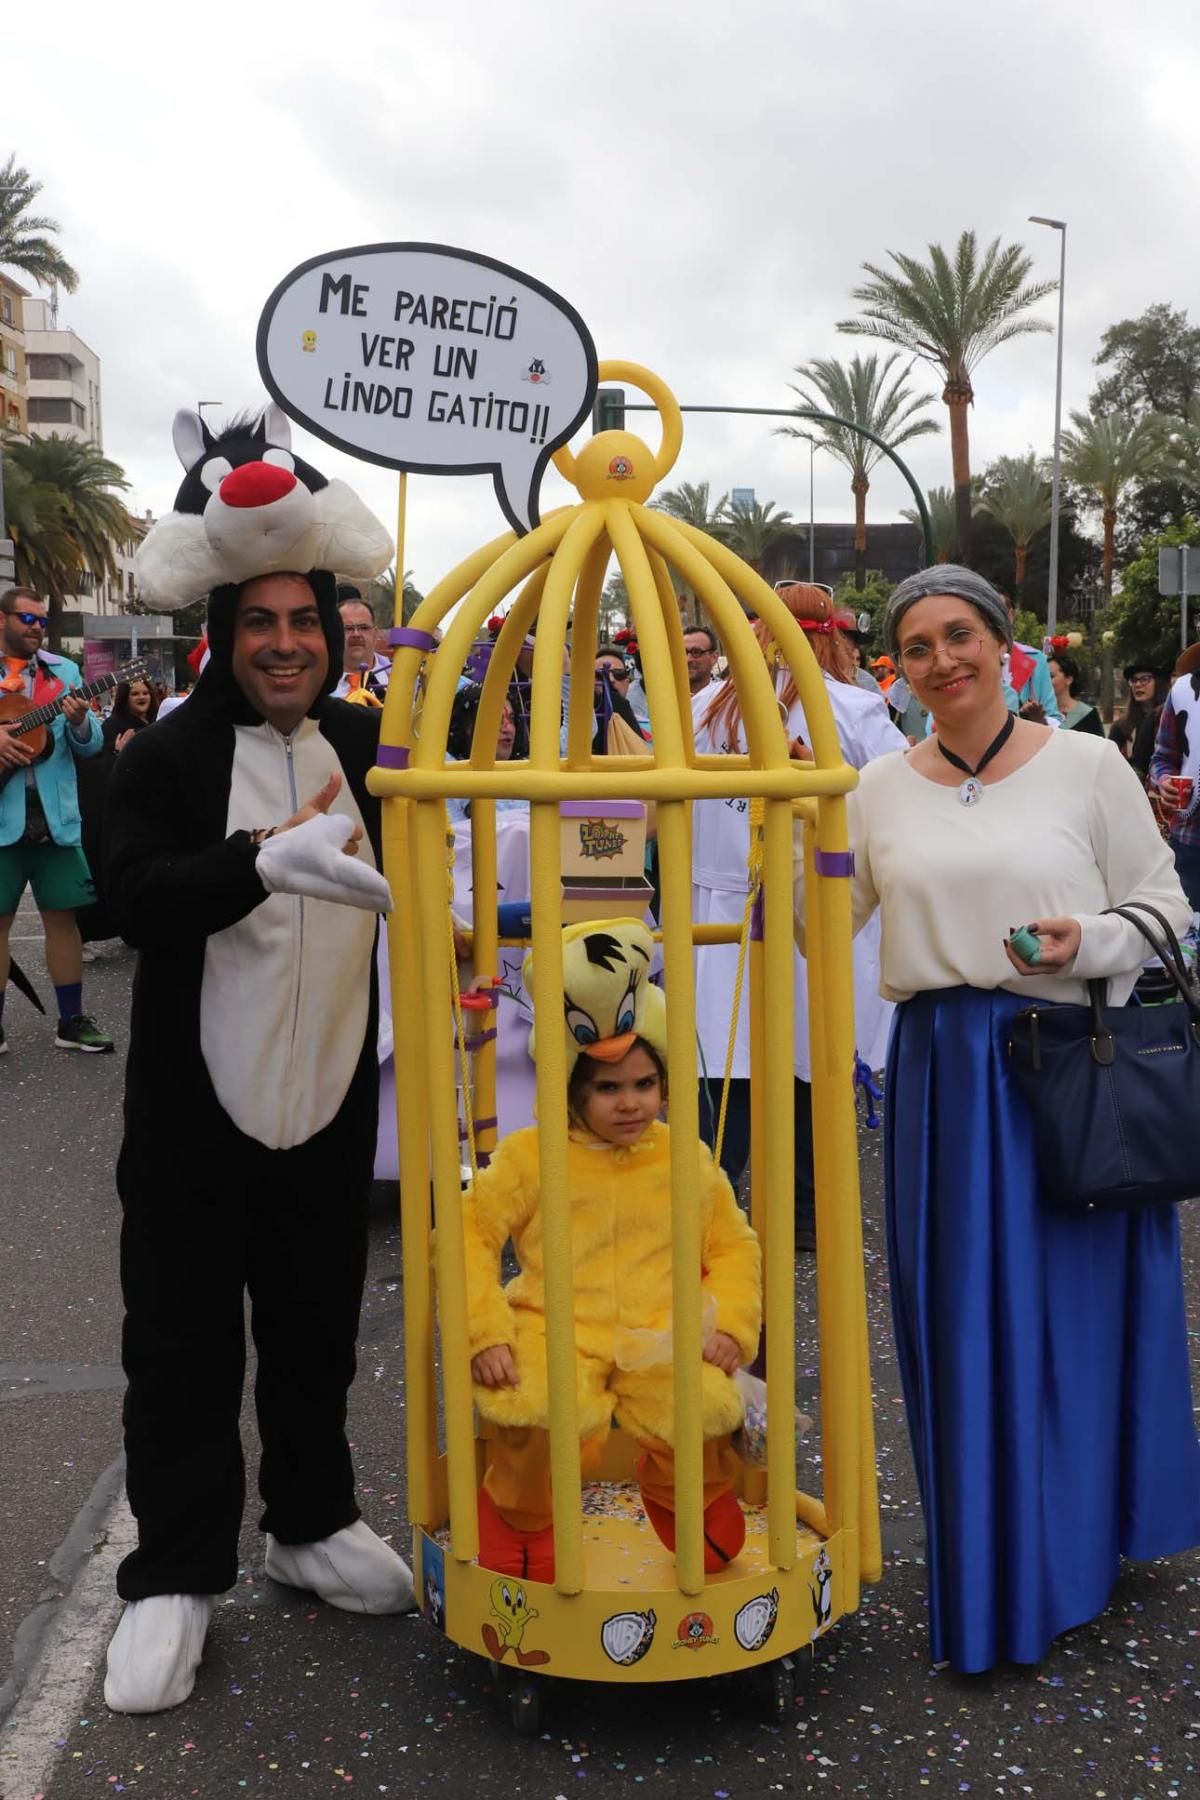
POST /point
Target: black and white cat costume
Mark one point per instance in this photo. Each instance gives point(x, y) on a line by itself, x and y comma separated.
point(251, 1088)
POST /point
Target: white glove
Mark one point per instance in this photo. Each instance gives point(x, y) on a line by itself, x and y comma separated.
point(308, 859)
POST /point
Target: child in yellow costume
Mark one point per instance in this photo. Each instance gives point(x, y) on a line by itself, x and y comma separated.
point(619, 1171)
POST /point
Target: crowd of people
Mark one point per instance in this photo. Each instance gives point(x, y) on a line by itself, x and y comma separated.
point(1044, 1359)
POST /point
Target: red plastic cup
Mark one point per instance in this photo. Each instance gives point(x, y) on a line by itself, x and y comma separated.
point(1179, 789)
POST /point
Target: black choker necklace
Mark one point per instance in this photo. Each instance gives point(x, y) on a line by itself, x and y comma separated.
point(971, 791)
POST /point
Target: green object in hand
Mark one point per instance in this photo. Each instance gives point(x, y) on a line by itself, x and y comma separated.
point(1026, 944)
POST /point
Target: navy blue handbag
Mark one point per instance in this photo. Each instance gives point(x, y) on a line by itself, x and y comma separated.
point(1114, 1091)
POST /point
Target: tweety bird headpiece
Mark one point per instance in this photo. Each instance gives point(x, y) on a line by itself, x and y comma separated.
point(609, 1000)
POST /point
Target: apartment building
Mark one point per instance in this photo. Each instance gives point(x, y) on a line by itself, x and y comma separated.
point(63, 377)
point(13, 373)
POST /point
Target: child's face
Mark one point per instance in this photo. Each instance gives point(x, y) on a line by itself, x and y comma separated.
point(622, 1098)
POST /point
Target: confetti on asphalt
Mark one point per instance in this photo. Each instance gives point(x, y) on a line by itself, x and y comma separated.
point(296, 1699)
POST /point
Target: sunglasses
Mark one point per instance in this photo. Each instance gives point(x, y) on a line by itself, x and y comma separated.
point(38, 619)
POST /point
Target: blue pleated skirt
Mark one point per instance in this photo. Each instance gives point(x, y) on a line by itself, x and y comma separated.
point(1044, 1357)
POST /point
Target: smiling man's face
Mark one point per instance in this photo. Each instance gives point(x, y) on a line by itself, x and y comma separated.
point(280, 657)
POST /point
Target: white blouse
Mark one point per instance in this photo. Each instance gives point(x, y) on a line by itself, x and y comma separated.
point(721, 828)
point(1066, 835)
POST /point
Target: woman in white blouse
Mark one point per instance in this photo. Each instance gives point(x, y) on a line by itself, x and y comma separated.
point(720, 882)
point(1044, 1356)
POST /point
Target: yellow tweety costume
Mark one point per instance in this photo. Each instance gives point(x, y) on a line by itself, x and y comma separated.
point(620, 1230)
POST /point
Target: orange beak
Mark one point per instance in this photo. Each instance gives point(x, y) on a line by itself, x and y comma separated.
point(611, 1050)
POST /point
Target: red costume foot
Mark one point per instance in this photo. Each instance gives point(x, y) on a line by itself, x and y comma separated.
point(724, 1529)
point(529, 1555)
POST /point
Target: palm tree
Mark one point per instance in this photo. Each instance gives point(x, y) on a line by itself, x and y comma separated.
point(942, 517)
point(383, 595)
point(690, 502)
point(614, 607)
point(860, 394)
point(951, 313)
point(1183, 448)
point(71, 519)
point(752, 527)
point(1017, 495)
point(24, 244)
point(1104, 453)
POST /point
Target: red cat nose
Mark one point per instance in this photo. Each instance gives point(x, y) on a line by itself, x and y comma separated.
point(256, 484)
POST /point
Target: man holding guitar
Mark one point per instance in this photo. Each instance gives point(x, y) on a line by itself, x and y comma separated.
point(39, 810)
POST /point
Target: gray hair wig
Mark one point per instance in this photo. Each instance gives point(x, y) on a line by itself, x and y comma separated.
point(947, 578)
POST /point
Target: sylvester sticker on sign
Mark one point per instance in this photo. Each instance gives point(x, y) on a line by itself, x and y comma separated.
point(421, 357)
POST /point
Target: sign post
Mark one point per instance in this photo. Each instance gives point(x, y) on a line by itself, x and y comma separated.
point(1175, 577)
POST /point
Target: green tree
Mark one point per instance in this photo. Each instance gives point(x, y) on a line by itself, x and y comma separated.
point(72, 521)
point(1105, 454)
point(859, 392)
point(1153, 364)
point(943, 516)
point(1078, 560)
point(614, 607)
point(872, 597)
point(1144, 622)
point(1017, 495)
point(26, 240)
point(690, 502)
point(951, 312)
point(752, 527)
point(1182, 454)
point(382, 596)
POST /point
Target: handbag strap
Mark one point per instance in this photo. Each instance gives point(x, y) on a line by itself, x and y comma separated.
point(1163, 923)
point(1169, 954)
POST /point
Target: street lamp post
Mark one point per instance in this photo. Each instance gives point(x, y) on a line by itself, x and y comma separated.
point(811, 441)
point(1059, 225)
point(812, 549)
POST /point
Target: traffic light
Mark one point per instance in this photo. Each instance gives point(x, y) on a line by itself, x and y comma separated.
point(608, 410)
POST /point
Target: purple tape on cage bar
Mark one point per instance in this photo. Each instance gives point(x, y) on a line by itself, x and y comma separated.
point(393, 756)
point(403, 637)
point(479, 1125)
point(834, 862)
point(757, 917)
point(480, 1038)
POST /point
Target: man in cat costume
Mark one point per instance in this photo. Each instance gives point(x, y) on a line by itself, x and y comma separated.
point(242, 864)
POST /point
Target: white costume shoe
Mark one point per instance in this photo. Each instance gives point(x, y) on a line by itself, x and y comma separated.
point(353, 1569)
point(155, 1652)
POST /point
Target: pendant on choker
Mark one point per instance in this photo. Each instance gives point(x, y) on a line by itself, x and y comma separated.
point(970, 793)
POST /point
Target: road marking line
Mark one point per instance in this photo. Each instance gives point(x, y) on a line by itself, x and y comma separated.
point(66, 1664)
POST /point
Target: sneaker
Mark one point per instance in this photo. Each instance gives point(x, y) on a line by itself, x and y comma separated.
point(82, 1033)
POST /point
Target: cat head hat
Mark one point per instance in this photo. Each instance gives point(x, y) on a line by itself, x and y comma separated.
point(249, 506)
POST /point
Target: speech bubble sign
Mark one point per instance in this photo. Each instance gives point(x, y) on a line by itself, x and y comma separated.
point(422, 357)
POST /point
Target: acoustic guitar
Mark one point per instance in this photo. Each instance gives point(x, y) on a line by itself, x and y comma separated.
point(23, 719)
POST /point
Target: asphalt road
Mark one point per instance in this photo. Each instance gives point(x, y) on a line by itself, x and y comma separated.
point(297, 1699)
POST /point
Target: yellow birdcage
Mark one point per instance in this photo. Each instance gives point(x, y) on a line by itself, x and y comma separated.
point(805, 1555)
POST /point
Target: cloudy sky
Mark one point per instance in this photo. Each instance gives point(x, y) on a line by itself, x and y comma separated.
point(701, 181)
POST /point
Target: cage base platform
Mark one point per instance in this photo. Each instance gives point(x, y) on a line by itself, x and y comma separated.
point(631, 1622)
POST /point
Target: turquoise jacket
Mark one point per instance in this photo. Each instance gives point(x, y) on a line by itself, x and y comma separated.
point(55, 776)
